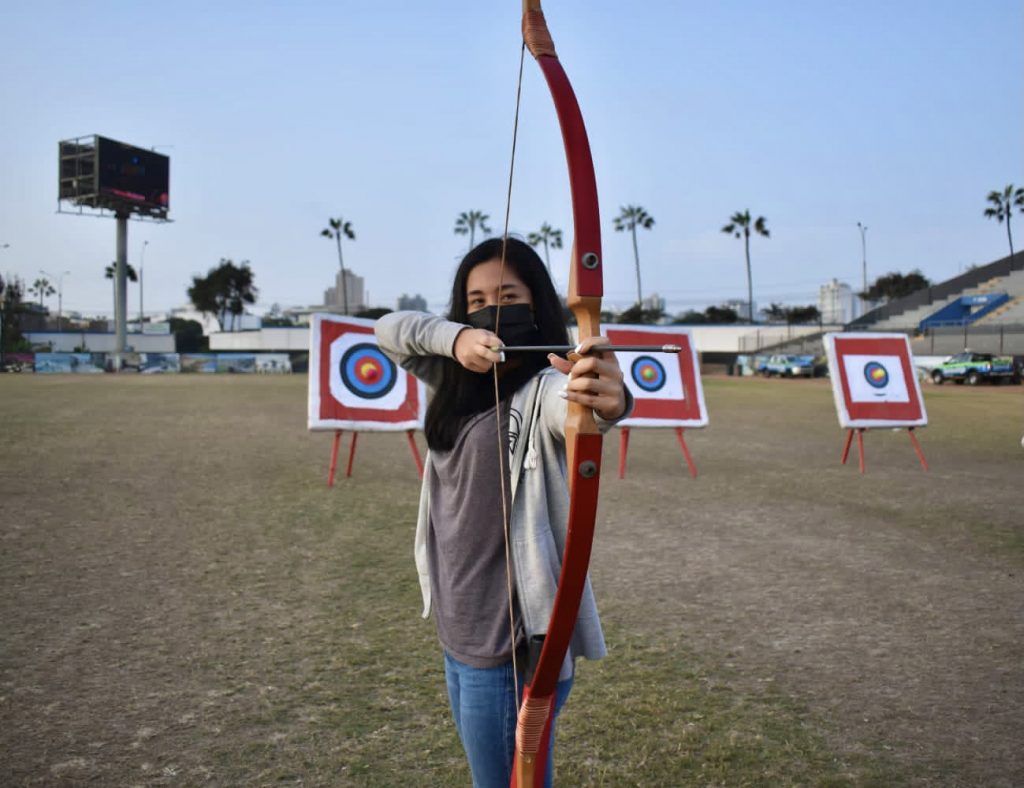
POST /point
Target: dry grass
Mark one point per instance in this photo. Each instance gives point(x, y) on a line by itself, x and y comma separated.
point(185, 603)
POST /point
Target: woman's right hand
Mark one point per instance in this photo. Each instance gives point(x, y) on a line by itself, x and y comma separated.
point(473, 349)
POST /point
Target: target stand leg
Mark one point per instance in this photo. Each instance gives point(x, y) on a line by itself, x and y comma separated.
point(686, 452)
point(351, 454)
point(415, 451)
point(846, 446)
point(860, 450)
point(917, 449)
point(334, 458)
point(623, 449)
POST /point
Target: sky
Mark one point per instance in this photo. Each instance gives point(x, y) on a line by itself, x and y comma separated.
point(397, 116)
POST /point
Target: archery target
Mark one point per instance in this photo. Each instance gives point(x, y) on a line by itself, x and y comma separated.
point(648, 374)
point(873, 381)
point(353, 384)
point(363, 371)
point(875, 378)
point(666, 387)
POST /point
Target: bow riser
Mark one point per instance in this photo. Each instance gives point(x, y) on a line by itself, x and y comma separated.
point(582, 437)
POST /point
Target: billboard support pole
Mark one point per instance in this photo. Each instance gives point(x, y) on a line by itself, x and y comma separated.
point(121, 289)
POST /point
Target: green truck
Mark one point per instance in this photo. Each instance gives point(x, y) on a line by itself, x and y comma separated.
point(975, 368)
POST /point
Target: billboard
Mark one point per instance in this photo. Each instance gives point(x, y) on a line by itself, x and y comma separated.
point(99, 172)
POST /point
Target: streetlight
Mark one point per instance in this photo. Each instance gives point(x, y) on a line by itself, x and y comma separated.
point(142, 259)
point(864, 253)
point(60, 294)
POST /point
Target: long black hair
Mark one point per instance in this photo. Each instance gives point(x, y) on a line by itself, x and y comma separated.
point(462, 393)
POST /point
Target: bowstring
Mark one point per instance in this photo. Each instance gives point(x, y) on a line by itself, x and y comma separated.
point(505, 520)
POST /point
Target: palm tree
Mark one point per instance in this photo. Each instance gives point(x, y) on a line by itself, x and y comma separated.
point(548, 236)
point(110, 272)
point(339, 227)
point(1002, 207)
point(629, 218)
point(739, 225)
point(42, 288)
point(468, 221)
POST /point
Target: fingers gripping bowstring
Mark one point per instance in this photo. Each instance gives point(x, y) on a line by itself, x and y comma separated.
point(505, 520)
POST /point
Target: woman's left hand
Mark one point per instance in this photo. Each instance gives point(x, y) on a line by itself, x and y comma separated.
point(595, 379)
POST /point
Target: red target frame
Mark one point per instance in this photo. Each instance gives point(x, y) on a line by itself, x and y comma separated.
point(859, 414)
point(327, 412)
point(649, 411)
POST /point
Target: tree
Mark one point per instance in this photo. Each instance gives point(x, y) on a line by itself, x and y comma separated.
point(225, 290)
point(110, 272)
point(689, 317)
point(374, 312)
point(740, 226)
point(775, 313)
point(43, 289)
point(337, 228)
point(11, 309)
point(630, 217)
point(1002, 207)
point(188, 336)
point(895, 285)
point(637, 314)
point(467, 222)
point(720, 314)
point(802, 314)
point(548, 236)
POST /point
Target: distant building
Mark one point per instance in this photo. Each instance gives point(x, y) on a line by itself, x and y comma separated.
point(741, 308)
point(334, 297)
point(652, 302)
point(838, 303)
point(416, 303)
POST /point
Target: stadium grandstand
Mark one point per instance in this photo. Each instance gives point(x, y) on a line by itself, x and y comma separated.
point(980, 310)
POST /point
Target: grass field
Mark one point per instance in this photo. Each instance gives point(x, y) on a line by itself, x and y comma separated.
point(184, 602)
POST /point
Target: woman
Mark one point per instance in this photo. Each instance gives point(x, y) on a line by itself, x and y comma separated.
point(489, 594)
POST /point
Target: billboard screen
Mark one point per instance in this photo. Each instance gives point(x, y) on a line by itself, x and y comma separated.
point(133, 176)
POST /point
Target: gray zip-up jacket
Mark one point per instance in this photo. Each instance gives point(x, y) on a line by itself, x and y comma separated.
point(540, 501)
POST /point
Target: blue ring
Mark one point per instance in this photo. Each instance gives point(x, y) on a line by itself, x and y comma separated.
point(349, 378)
point(648, 385)
point(870, 367)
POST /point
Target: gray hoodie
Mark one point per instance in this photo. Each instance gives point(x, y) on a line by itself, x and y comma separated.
point(540, 501)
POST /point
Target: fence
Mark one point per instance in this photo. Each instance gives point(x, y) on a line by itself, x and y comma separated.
point(1006, 340)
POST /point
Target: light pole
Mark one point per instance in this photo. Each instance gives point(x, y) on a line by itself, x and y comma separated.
point(60, 294)
point(864, 253)
point(142, 259)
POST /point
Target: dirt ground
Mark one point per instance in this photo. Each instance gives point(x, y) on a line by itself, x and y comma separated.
point(149, 530)
point(892, 604)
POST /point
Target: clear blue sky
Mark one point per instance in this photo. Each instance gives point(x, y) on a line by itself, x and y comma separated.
point(398, 115)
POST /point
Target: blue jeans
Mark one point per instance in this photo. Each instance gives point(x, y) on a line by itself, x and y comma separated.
point(484, 708)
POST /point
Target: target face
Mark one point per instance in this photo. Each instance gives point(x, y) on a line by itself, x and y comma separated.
point(365, 370)
point(353, 385)
point(873, 380)
point(648, 374)
point(666, 387)
point(876, 375)
point(869, 378)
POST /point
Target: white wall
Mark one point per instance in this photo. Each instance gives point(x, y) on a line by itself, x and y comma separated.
point(277, 338)
point(707, 339)
point(67, 341)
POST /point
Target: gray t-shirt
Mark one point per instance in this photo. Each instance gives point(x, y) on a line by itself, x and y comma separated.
point(466, 545)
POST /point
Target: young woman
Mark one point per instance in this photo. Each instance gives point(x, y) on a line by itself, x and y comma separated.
point(487, 604)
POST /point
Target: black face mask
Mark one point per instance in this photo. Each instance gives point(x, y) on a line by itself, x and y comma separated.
point(516, 326)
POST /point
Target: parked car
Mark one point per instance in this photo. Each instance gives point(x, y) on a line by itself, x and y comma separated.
point(787, 366)
point(974, 368)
